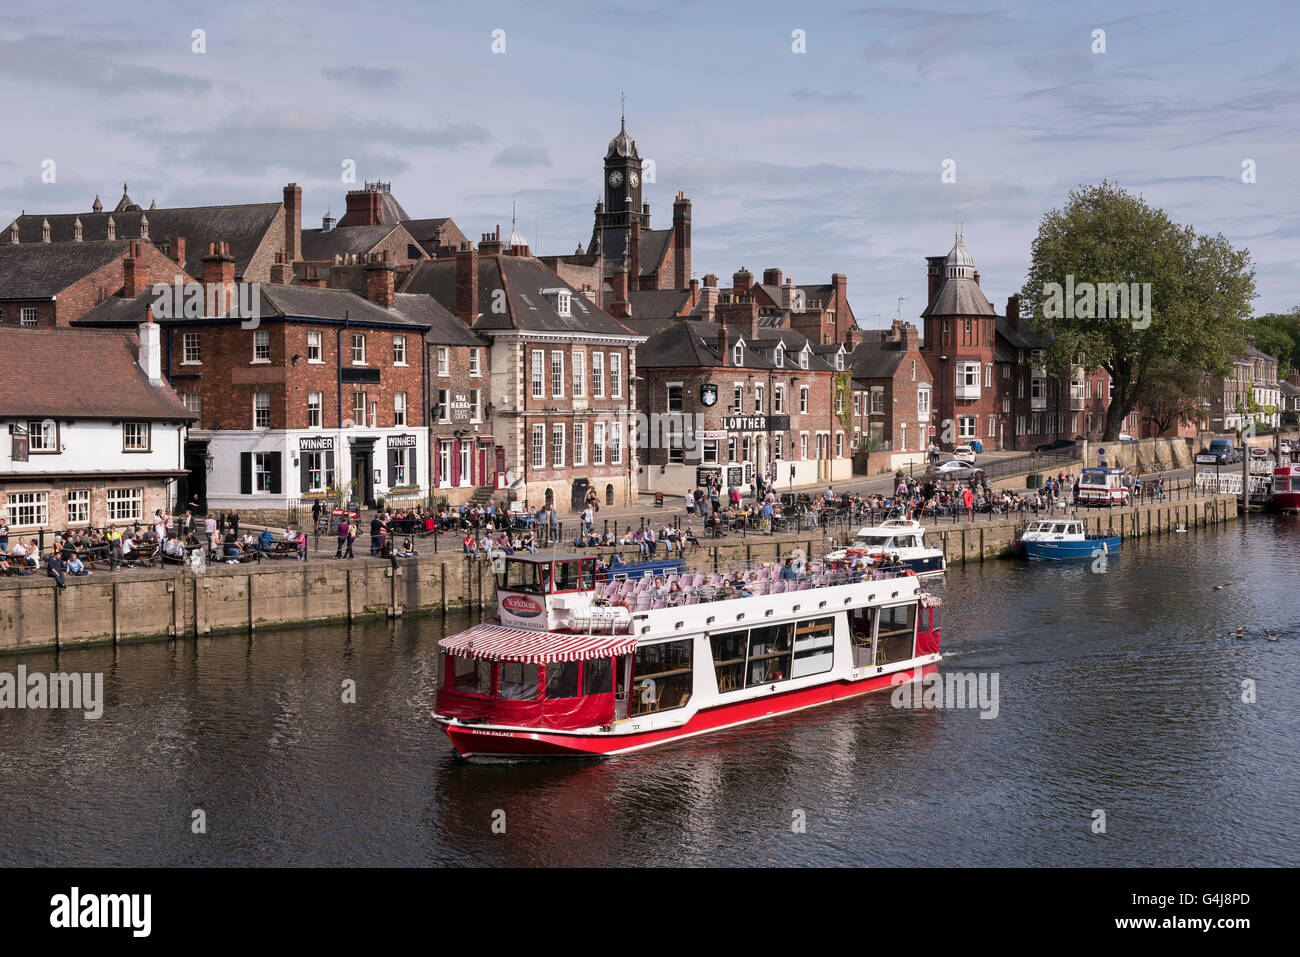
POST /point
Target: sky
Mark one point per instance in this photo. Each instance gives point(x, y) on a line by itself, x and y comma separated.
point(827, 160)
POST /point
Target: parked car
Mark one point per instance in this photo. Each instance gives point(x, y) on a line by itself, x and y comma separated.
point(964, 453)
point(954, 470)
point(1053, 446)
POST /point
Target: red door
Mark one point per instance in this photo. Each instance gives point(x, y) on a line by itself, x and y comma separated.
point(483, 477)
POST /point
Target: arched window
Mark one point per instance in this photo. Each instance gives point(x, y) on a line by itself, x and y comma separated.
point(738, 354)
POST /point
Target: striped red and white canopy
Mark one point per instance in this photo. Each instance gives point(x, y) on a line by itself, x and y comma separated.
point(534, 647)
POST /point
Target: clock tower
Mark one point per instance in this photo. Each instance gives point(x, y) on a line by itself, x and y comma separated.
point(622, 207)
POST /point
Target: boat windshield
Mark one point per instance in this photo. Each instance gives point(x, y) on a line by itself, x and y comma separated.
point(875, 541)
point(531, 577)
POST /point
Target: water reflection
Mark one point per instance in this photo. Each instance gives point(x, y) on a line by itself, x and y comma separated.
point(1120, 692)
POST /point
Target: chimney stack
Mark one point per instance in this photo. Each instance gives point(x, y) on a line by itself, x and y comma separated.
point(151, 348)
point(681, 240)
point(490, 243)
point(131, 276)
point(219, 278)
point(1013, 312)
point(281, 271)
point(380, 280)
point(771, 277)
point(467, 284)
point(709, 297)
point(742, 282)
point(176, 249)
point(934, 267)
point(292, 223)
point(620, 308)
point(724, 344)
point(364, 207)
point(695, 293)
point(789, 293)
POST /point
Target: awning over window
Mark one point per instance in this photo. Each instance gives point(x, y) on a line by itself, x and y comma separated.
point(534, 647)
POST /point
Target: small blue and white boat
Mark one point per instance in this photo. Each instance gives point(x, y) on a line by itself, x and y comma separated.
point(1063, 540)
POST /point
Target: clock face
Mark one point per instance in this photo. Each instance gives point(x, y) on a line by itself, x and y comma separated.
point(633, 179)
point(616, 179)
point(709, 394)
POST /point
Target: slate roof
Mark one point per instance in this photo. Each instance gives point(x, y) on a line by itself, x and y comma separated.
point(317, 244)
point(654, 246)
point(1022, 338)
point(767, 339)
point(303, 302)
point(876, 359)
point(243, 227)
point(658, 304)
point(691, 343)
point(959, 297)
point(46, 269)
point(37, 366)
point(522, 278)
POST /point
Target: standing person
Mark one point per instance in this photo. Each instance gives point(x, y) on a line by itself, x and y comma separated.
point(4, 535)
point(690, 506)
point(187, 524)
point(344, 528)
point(159, 525)
point(968, 499)
point(588, 520)
point(553, 521)
point(210, 532)
point(376, 533)
point(54, 568)
point(233, 521)
point(315, 514)
point(352, 537)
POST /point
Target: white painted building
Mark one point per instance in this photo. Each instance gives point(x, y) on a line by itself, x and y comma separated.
point(92, 435)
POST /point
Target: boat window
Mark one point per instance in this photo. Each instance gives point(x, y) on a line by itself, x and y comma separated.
point(1058, 528)
point(525, 576)
point(597, 676)
point(588, 573)
point(471, 675)
point(814, 647)
point(517, 680)
point(769, 655)
point(566, 576)
point(562, 679)
point(729, 659)
point(862, 626)
point(661, 676)
point(897, 630)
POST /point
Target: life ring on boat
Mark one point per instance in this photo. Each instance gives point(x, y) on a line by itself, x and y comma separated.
point(908, 571)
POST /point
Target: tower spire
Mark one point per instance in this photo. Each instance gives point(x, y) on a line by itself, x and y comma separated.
point(622, 110)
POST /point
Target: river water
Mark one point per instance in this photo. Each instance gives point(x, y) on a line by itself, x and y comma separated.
point(1120, 692)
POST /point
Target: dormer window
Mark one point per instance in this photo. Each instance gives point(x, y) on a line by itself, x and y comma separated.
point(778, 357)
point(738, 354)
point(839, 361)
point(561, 299)
point(803, 358)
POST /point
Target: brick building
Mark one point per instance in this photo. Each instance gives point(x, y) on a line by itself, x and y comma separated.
point(1250, 393)
point(326, 390)
point(893, 393)
point(47, 285)
point(561, 374)
point(92, 434)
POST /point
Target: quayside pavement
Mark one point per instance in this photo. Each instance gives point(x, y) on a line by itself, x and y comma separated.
point(170, 602)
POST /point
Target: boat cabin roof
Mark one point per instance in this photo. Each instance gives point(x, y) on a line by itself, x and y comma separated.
point(545, 558)
point(1060, 528)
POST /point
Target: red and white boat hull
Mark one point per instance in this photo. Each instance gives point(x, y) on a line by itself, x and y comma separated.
point(475, 741)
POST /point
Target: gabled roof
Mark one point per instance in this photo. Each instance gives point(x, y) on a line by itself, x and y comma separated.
point(522, 279)
point(440, 231)
point(243, 227)
point(877, 359)
point(795, 343)
point(45, 269)
point(317, 244)
point(80, 374)
point(658, 304)
point(690, 343)
point(959, 297)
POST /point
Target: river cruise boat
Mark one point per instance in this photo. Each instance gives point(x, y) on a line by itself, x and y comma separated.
point(895, 536)
point(1062, 540)
point(570, 667)
point(1286, 481)
point(1102, 486)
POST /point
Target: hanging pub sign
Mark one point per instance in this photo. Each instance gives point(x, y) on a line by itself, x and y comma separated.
point(709, 394)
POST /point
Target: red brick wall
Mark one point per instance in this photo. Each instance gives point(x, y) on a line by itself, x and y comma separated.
point(228, 378)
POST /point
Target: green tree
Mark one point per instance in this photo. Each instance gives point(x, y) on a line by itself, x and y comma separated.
point(1174, 394)
point(1193, 293)
point(1278, 334)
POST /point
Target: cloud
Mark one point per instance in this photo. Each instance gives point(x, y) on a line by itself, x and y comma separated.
point(46, 60)
point(253, 143)
point(366, 77)
point(520, 155)
point(804, 95)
